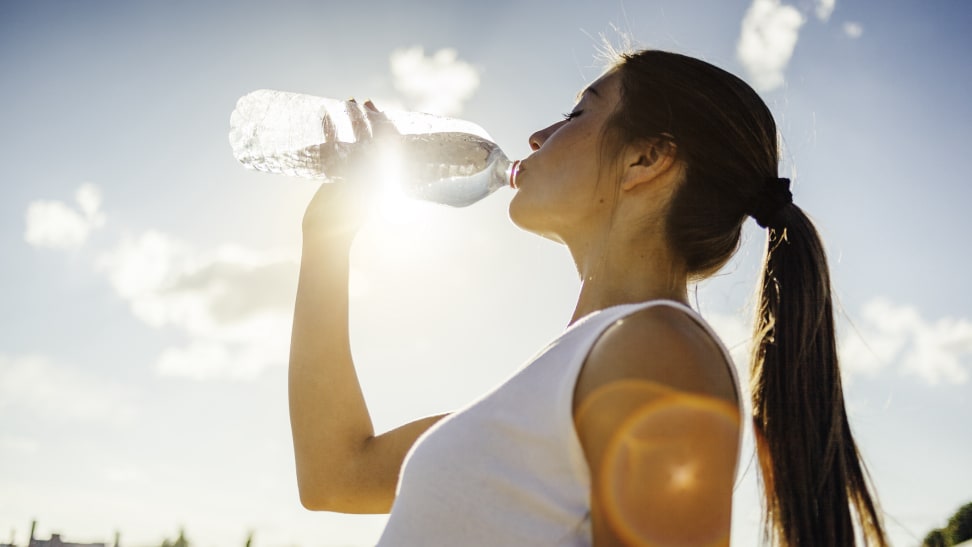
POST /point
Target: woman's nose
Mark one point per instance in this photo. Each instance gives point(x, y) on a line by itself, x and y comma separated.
point(537, 139)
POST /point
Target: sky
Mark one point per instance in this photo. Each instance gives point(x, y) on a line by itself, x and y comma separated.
point(147, 279)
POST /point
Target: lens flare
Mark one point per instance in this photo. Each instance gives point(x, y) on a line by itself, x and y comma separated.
point(666, 476)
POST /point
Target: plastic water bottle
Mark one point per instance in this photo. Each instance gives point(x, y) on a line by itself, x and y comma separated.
point(445, 160)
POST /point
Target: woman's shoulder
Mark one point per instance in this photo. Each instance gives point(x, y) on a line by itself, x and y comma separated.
point(664, 345)
point(655, 417)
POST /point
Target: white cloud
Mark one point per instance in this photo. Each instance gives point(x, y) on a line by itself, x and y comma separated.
point(55, 224)
point(825, 8)
point(89, 198)
point(853, 30)
point(35, 385)
point(938, 349)
point(769, 35)
point(868, 353)
point(884, 337)
point(241, 350)
point(438, 84)
point(935, 351)
point(232, 304)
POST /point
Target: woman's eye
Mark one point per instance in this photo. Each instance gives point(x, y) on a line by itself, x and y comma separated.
point(573, 115)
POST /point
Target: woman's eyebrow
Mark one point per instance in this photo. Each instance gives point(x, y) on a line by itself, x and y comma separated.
point(590, 88)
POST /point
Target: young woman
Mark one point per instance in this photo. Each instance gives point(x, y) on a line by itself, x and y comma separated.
point(624, 430)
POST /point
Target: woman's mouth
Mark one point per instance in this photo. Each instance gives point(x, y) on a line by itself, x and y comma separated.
point(515, 171)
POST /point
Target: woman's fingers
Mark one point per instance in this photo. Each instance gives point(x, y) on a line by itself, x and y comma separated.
point(381, 126)
point(359, 121)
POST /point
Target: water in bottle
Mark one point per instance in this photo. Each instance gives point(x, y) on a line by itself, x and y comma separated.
point(444, 160)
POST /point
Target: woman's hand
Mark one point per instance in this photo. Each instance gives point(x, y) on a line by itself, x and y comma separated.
point(341, 205)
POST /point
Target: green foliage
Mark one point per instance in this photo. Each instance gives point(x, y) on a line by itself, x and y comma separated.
point(960, 525)
point(936, 538)
point(181, 541)
point(959, 529)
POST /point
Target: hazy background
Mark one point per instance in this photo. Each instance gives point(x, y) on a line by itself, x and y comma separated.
point(147, 279)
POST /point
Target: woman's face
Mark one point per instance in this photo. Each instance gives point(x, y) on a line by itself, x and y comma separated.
point(563, 186)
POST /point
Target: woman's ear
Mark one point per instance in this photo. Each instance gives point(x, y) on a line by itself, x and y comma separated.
point(647, 162)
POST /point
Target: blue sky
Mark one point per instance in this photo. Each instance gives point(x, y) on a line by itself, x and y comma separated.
point(148, 279)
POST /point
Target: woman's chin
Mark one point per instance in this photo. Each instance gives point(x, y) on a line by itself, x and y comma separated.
point(522, 216)
point(530, 224)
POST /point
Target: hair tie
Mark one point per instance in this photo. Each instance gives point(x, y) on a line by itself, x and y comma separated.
point(769, 202)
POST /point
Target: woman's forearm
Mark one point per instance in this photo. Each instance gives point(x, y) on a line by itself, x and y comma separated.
point(329, 417)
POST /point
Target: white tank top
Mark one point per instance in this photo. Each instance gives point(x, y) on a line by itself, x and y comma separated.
point(509, 468)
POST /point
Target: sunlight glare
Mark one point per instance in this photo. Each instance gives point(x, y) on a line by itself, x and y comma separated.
point(394, 207)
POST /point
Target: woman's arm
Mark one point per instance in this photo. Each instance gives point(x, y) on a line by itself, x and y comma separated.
point(656, 413)
point(341, 464)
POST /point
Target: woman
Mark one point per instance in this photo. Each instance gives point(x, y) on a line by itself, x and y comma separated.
point(625, 430)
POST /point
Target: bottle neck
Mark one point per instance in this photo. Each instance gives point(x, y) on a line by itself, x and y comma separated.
point(511, 173)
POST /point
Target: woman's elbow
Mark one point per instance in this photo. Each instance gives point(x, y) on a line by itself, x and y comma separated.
point(314, 494)
point(338, 498)
point(314, 500)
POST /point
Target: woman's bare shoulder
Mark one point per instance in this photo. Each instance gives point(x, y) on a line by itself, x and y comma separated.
point(663, 345)
point(655, 414)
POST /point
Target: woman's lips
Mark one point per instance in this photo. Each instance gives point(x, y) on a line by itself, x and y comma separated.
point(515, 174)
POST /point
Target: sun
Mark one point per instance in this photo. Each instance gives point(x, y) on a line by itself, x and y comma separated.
point(394, 209)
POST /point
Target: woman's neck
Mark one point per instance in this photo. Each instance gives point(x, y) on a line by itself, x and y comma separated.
point(621, 273)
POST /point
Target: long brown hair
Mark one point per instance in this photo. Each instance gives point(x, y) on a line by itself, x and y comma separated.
point(814, 481)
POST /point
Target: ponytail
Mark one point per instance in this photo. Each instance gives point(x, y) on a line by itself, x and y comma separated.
point(811, 471)
point(810, 467)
